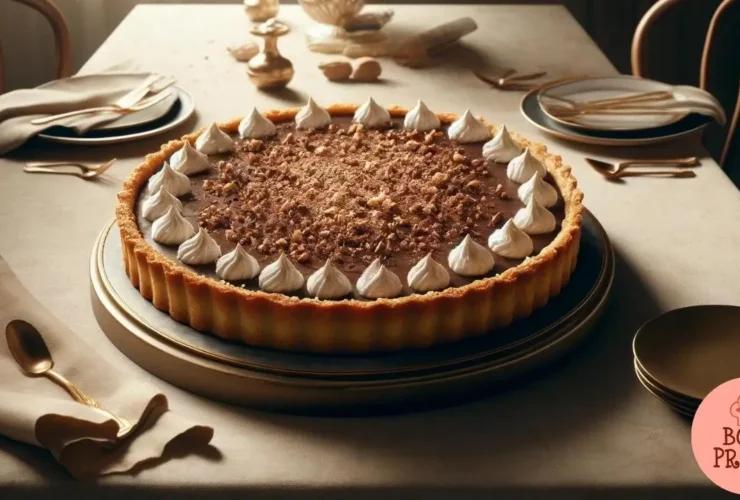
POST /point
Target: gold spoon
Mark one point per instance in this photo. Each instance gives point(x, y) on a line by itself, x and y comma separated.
point(676, 174)
point(33, 356)
point(608, 168)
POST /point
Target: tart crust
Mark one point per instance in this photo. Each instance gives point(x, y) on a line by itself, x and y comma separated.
point(348, 326)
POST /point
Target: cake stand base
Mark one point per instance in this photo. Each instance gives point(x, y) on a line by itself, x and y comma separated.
point(322, 384)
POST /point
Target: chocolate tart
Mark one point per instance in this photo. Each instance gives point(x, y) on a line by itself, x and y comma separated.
point(241, 312)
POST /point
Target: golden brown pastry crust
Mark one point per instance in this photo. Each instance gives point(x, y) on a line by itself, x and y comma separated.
point(349, 326)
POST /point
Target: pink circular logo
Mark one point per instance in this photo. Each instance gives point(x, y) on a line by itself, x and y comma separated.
point(715, 436)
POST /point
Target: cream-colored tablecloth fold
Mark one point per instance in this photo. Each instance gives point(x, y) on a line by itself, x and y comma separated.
point(38, 412)
point(19, 107)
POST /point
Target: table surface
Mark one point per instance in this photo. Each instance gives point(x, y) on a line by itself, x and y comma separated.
point(586, 426)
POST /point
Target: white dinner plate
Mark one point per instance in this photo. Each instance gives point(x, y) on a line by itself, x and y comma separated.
point(690, 124)
point(182, 108)
point(591, 89)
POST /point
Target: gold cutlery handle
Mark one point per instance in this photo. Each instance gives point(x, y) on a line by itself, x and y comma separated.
point(55, 164)
point(574, 113)
point(138, 105)
point(610, 103)
point(65, 384)
point(679, 162)
point(48, 170)
point(637, 98)
point(134, 96)
point(529, 76)
point(657, 173)
point(79, 396)
point(559, 81)
point(70, 114)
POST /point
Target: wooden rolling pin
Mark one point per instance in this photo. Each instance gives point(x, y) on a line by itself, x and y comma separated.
point(416, 50)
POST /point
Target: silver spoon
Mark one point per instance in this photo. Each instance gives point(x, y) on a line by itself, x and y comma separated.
point(33, 356)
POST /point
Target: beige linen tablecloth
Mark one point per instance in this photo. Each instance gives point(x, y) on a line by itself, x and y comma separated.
point(584, 428)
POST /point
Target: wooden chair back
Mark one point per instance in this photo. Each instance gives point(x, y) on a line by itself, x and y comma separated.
point(720, 75)
point(717, 71)
point(61, 38)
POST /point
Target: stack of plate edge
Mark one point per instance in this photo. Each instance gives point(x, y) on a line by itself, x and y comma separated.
point(679, 402)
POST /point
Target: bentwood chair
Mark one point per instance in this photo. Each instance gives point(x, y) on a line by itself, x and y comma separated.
point(718, 66)
point(61, 38)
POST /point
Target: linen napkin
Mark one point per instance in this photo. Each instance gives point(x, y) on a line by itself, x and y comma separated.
point(37, 411)
point(19, 107)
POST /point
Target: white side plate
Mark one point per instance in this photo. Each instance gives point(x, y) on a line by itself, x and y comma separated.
point(607, 88)
point(532, 111)
point(180, 110)
point(146, 115)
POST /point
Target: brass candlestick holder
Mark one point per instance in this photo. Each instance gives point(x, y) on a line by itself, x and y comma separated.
point(269, 69)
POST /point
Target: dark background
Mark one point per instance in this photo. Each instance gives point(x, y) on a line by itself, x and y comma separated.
point(678, 41)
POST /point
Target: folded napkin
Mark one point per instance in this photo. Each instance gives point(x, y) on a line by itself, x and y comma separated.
point(19, 107)
point(82, 439)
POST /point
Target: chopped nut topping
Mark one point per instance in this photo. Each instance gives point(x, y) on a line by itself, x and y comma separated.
point(495, 219)
point(412, 145)
point(376, 201)
point(352, 194)
point(439, 179)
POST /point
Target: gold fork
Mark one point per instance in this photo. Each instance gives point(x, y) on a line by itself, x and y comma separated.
point(615, 102)
point(509, 80)
point(85, 172)
point(139, 105)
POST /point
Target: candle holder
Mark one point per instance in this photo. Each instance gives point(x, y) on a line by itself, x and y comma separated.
point(269, 69)
point(261, 10)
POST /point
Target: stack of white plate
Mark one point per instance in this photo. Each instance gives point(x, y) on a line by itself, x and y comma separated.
point(164, 116)
point(611, 130)
point(684, 354)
